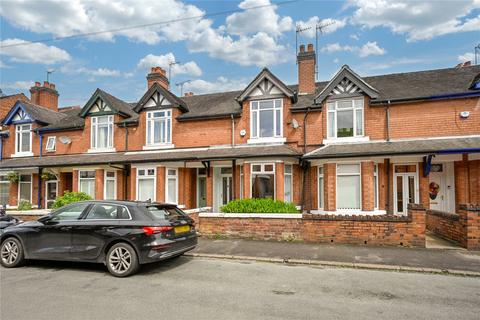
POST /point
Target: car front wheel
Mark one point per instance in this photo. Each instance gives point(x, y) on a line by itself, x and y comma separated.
point(11, 253)
point(122, 260)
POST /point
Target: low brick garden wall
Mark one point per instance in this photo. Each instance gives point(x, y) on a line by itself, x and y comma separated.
point(370, 230)
point(445, 225)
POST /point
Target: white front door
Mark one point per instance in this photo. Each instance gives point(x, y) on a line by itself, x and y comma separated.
point(441, 191)
point(222, 193)
point(51, 193)
point(405, 187)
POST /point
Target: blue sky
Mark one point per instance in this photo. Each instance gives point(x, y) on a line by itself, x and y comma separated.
point(224, 51)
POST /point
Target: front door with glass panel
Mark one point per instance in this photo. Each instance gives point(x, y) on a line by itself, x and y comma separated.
point(405, 187)
point(51, 192)
point(223, 187)
point(441, 193)
point(201, 188)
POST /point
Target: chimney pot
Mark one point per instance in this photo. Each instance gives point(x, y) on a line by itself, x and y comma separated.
point(310, 47)
point(37, 84)
point(46, 84)
point(188, 94)
point(157, 75)
point(302, 48)
point(52, 86)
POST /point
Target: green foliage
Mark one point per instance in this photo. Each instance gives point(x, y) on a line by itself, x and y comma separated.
point(13, 177)
point(24, 205)
point(48, 176)
point(70, 197)
point(258, 206)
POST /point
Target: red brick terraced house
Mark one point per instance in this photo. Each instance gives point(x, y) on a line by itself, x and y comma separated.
point(350, 146)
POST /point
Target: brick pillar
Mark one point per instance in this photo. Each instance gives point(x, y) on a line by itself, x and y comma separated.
point(210, 187)
point(330, 186)
point(368, 201)
point(417, 214)
point(382, 186)
point(236, 180)
point(161, 196)
point(314, 187)
point(297, 184)
point(423, 183)
point(13, 194)
point(246, 181)
point(470, 220)
point(75, 181)
point(474, 181)
point(120, 185)
point(35, 180)
point(461, 183)
point(279, 181)
point(62, 183)
point(99, 183)
point(133, 184)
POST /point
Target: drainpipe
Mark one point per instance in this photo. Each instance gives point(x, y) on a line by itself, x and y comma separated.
point(41, 144)
point(1, 148)
point(387, 115)
point(126, 136)
point(39, 198)
point(233, 130)
point(387, 205)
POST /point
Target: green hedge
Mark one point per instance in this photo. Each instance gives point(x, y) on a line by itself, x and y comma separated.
point(258, 206)
point(70, 197)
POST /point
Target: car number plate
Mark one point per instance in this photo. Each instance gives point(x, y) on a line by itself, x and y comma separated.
point(182, 229)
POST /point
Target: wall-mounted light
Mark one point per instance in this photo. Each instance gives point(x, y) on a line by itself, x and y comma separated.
point(464, 114)
point(243, 133)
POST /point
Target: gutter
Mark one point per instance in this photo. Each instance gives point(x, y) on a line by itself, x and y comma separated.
point(428, 98)
point(217, 116)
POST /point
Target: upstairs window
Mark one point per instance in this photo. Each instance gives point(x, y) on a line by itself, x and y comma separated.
point(345, 118)
point(23, 136)
point(159, 127)
point(266, 119)
point(50, 144)
point(102, 132)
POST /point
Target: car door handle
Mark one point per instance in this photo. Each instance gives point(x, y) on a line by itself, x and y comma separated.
point(65, 228)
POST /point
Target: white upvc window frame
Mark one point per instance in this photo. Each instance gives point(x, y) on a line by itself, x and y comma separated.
point(332, 109)
point(107, 178)
point(320, 188)
point(169, 176)
point(375, 187)
point(94, 182)
point(150, 128)
point(359, 174)
point(4, 180)
point(242, 183)
point(94, 133)
point(51, 140)
point(20, 182)
point(146, 177)
point(19, 130)
point(289, 174)
point(263, 171)
point(255, 121)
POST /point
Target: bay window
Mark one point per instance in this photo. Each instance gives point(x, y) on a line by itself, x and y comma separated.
point(86, 182)
point(348, 186)
point(263, 180)
point(102, 132)
point(266, 119)
point(345, 118)
point(159, 127)
point(146, 184)
point(23, 136)
point(172, 186)
point(110, 185)
point(288, 183)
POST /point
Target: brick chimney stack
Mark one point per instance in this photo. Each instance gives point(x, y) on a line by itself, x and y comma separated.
point(188, 94)
point(45, 95)
point(158, 75)
point(306, 69)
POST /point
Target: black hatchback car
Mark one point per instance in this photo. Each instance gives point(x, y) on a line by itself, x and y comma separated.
point(121, 234)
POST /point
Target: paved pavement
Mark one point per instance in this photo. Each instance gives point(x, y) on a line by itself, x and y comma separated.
point(197, 288)
point(439, 259)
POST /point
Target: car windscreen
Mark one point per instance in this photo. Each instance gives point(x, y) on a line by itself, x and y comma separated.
point(165, 213)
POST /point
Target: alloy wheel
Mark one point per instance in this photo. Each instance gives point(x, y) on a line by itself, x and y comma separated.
point(120, 260)
point(10, 252)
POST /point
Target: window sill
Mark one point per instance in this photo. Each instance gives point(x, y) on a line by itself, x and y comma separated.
point(346, 140)
point(350, 212)
point(23, 154)
point(101, 150)
point(266, 140)
point(159, 146)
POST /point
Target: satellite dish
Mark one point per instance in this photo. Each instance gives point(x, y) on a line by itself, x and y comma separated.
point(295, 124)
point(65, 140)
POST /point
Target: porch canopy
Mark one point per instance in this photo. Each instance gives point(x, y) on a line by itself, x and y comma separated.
point(196, 154)
point(454, 145)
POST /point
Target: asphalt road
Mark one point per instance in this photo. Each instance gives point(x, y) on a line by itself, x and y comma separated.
point(195, 288)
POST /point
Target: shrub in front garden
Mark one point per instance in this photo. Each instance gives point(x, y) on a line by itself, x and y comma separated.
point(70, 197)
point(24, 205)
point(258, 206)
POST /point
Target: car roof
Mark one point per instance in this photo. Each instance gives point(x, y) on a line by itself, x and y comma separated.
point(132, 203)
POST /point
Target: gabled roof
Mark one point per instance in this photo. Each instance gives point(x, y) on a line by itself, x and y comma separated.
point(119, 106)
point(211, 106)
point(35, 112)
point(266, 74)
point(346, 73)
point(7, 102)
point(173, 99)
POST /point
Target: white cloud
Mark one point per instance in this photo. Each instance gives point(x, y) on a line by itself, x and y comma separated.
point(419, 20)
point(3, 65)
point(18, 85)
point(264, 19)
point(38, 53)
point(76, 68)
point(332, 25)
point(467, 56)
point(368, 49)
point(383, 65)
point(354, 37)
point(221, 84)
point(150, 60)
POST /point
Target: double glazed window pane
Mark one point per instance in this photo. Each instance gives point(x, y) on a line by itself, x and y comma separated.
point(172, 192)
point(266, 123)
point(4, 190)
point(266, 119)
point(25, 185)
point(348, 192)
point(110, 189)
point(146, 189)
point(23, 138)
point(288, 188)
point(345, 123)
point(102, 132)
point(159, 127)
point(263, 186)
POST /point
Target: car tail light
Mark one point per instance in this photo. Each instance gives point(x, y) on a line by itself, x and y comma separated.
point(151, 230)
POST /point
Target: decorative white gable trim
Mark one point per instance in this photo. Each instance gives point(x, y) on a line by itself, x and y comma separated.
point(346, 87)
point(157, 100)
point(21, 116)
point(265, 88)
point(99, 106)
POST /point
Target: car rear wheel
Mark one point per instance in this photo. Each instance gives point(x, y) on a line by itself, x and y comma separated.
point(11, 253)
point(122, 260)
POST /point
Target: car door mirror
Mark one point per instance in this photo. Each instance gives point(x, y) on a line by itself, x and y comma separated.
point(45, 219)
